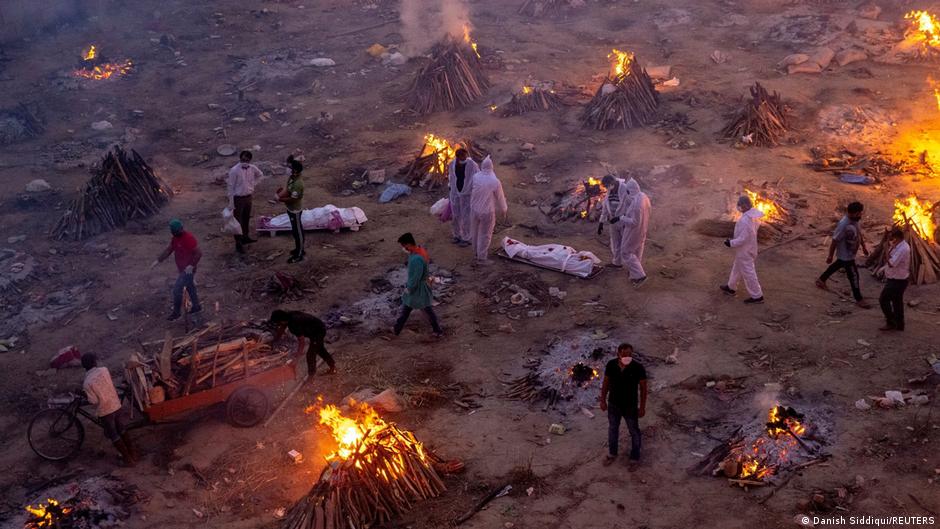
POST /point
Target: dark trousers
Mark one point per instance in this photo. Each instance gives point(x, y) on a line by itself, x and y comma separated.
point(317, 348)
point(614, 415)
point(242, 214)
point(186, 281)
point(892, 302)
point(406, 311)
point(297, 230)
point(851, 272)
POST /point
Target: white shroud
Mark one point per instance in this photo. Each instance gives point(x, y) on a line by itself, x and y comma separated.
point(555, 256)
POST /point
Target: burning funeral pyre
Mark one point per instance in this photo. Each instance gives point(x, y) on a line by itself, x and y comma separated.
point(915, 217)
point(777, 221)
point(429, 167)
point(377, 472)
point(453, 77)
point(123, 188)
point(583, 201)
point(762, 450)
point(531, 98)
point(97, 67)
point(922, 37)
point(762, 122)
point(625, 99)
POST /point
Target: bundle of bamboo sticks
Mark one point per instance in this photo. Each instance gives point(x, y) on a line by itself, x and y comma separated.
point(386, 476)
point(453, 78)
point(531, 99)
point(762, 122)
point(123, 187)
point(925, 263)
point(625, 101)
point(529, 388)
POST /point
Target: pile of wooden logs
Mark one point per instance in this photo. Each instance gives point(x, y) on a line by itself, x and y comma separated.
point(529, 388)
point(531, 98)
point(453, 78)
point(925, 263)
point(581, 202)
point(201, 360)
point(625, 101)
point(843, 160)
point(725, 229)
point(388, 473)
point(538, 8)
point(429, 167)
point(122, 188)
point(762, 122)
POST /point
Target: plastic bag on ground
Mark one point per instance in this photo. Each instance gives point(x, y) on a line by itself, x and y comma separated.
point(447, 214)
point(438, 206)
point(230, 225)
point(394, 191)
point(387, 400)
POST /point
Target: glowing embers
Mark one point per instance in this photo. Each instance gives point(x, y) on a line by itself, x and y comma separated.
point(583, 201)
point(94, 66)
point(924, 32)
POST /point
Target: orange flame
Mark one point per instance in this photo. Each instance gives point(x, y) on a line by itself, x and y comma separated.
point(442, 148)
point(90, 53)
point(621, 62)
point(43, 515)
point(924, 28)
point(917, 212)
point(526, 89)
point(104, 70)
point(468, 40)
point(766, 206)
point(773, 417)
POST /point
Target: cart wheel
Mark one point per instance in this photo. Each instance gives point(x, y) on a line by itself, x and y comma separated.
point(55, 434)
point(246, 407)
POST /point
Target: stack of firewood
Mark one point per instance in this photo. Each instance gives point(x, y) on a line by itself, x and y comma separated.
point(625, 101)
point(531, 99)
point(429, 167)
point(762, 122)
point(925, 263)
point(388, 473)
point(843, 160)
point(453, 78)
point(529, 388)
point(538, 8)
point(123, 188)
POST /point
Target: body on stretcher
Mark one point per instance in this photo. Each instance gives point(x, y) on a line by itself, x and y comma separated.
point(328, 217)
point(556, 257)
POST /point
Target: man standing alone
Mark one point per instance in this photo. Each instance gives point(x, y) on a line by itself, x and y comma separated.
point(846, 240)
point(460, 173)
point(897, 273)
point(624, 378)
point(486, 199)
point(292, 196)
point(186, 250)
point(417, 290)
point(240, 184)
point(636, 223)
point(744, 245)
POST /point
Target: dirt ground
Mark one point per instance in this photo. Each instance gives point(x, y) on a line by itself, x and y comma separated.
point(818, 348)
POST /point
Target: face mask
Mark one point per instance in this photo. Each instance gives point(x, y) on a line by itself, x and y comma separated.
point(625, 361)
point(461, 162)
point(405, 249)
point(244, 165)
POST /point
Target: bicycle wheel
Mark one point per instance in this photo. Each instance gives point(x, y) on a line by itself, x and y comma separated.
point(246, 407)
point(55, 434)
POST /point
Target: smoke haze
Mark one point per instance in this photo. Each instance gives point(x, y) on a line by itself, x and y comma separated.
point(424, 22)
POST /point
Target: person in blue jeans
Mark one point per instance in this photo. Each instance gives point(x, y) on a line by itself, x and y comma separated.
point(623, 396)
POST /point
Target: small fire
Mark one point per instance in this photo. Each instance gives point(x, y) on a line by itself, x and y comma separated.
point(764, 205)
point(622, 60)
point(105, 70)
point(468, 40)
point(526, 89)
point(778, 420)
point(594, 181)
point(444, 150)
point(90, 53)
point(45, 515)
point(924, 28)
point(936, 95)
point(917, 212)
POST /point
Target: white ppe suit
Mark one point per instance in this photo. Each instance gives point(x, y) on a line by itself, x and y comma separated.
point(486, 199)
point(618, 210)
point(460, 199)
point(635, 225)
point(744, 244)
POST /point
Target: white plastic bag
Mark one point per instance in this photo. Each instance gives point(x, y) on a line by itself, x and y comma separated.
point(230, 225)
point(439, 206)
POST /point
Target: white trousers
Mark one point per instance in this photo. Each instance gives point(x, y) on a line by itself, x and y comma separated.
point(460, 209)
point(481, 228)
point(743, 268)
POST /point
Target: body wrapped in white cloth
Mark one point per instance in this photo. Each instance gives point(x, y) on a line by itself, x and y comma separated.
point(555, 256)
point(329, 217)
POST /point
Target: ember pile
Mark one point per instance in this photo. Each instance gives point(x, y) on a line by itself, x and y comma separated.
point(95, 66)
point(583, 201)
point(378, 472)
point(94, 502)
point(626, 99)
point(531, 98)
point(915, 218)
point(453, 78)
point(762, 122)
point(843, 161)
point(538, 8)
point(201, 360)
point(923, 35)
point(122, 188)
point(429, 167)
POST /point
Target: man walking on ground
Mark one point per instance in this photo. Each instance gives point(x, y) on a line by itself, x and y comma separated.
point(240, 184)
point(846, 240)
point(636, 223)
point(897, 273)
point(613, 208)
point(460, 173)
point(305, 326)
point(624, 378)
point(187, 253)
point(417, 294)
point(100, 392)
point(292, 196)
point(744, 244)
point(485, 200)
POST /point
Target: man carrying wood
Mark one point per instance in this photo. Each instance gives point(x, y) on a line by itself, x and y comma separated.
point(846, 240)
point(417, 288)
point(187, 253)
point(100, 392)
point(305, 327)
point(240, 185)
point(292, 196)
point(460, 173)
point(897, 272)
point(744, 245)
point(624, 378)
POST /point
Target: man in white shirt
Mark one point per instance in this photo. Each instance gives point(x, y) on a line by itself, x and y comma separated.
point(897, 272)
point(240, 185)
point(100, 391)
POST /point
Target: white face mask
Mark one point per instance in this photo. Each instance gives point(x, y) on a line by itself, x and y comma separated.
point(405, 249)
point(625, 361)
point(461, 162)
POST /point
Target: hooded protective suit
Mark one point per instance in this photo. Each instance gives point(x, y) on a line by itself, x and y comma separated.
point(744, 244)
point(635, 225)
point(486, 199)
point(615, 206)
point(460, 198)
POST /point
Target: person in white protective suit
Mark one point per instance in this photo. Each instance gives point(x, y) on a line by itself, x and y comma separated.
point(487, 198)
point(460, 173)
point(636, 223)
point(613, 208)
point(744, 244)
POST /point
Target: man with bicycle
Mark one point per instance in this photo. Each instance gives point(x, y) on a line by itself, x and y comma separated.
point(100, 391)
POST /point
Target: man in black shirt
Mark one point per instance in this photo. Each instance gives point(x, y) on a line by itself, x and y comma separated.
point(304, 326)
point(624, 377)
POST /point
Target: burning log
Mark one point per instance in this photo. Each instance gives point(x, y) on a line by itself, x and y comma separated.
point(377, 473)
point(532, 98)
point(583, 201)
point(625, 100)
point(777, 218)
point(843, 160)
point(915, 218)
point(453, 78)
point(123, 188)
point(429, 167)
point(762, 122)
point(922, 38)
point(538, 8)
point(95, 66)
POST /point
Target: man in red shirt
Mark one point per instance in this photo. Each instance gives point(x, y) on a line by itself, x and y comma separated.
point(186, 250)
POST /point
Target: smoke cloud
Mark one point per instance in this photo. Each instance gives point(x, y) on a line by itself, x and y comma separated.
point(424, 22)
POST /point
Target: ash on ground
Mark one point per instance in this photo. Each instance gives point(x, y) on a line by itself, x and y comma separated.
point(99, 502)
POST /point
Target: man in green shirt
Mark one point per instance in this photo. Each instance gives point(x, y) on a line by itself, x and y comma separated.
point(417, 290)
point(292, 196)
